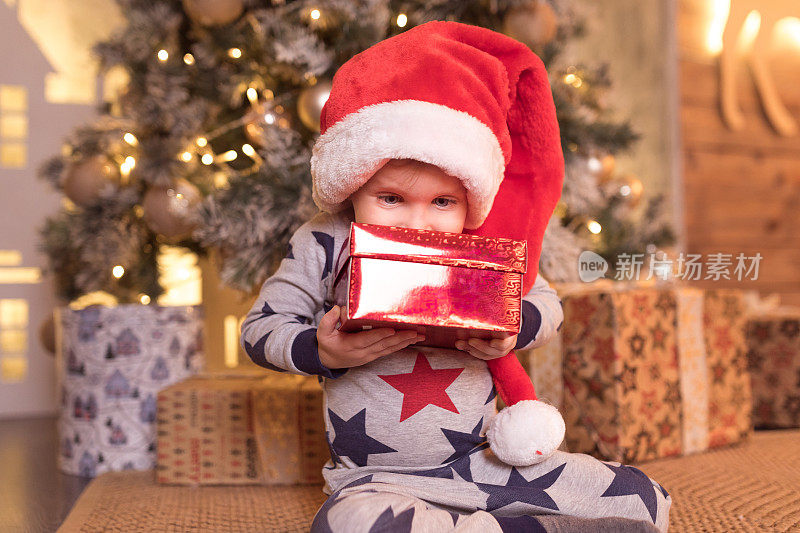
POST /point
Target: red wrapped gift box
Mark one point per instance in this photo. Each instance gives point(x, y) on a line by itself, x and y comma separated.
point(445, 285)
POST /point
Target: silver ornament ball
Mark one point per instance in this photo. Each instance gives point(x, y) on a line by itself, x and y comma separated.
point(534, 24)
point(310, 103)
point(171, 210)
point(84, 180)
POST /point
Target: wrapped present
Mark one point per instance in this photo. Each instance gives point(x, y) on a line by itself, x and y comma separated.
point(653, 371)
point(111, 362)
point(729, 392)
point(773, 340)
point(545, 366)
point(290, 429)
point(693, 366)
point(205, 431)
point(621, 377)
point(238, 429)
point(425, 280)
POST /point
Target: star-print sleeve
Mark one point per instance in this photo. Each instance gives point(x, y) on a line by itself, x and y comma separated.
point(279, 332)
point(542, 315)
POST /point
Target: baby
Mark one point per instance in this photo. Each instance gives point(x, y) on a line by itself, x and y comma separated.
point(406, 424)
point(406, 193)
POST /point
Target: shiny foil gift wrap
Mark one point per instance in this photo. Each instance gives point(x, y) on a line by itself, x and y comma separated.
point(444, 285)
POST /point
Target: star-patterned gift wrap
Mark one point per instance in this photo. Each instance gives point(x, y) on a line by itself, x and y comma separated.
point(773, 355)
point(205, 431)
point(729, 391)
point(111, 363)
point(290, 429)
point(622, 398)
point(425, 280)
point(654, 371)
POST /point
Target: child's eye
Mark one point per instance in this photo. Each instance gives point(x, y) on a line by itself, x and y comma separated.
point(443, 202)
point(390, 199)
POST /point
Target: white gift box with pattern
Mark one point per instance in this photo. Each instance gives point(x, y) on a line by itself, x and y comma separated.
point(111, 363)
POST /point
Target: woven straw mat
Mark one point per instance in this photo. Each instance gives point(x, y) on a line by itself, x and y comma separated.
point(754, 486)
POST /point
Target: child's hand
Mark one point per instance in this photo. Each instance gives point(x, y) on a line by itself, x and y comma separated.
point(338, 349)
point(484, 349)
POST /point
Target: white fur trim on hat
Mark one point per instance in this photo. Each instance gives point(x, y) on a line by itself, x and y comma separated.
point(526, 433)
point(353, 149)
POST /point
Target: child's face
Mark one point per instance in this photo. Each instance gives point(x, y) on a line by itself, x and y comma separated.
point(412, 195)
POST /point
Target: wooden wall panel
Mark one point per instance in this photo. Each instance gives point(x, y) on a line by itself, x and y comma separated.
point(741, 188)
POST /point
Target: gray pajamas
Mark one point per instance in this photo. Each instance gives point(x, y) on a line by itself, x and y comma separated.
point(407, 431)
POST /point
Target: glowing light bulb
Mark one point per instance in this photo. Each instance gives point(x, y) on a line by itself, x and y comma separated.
point(569, 79)
point(207, 159)
point(145, 299)
point(126, 167)
point(594, 165)
point(186, 157)
point(248, 150)
point(163, 55)
point(131, 139)
point(625, 190)
point(315, 14)
point(752, 24)
point(220, 180)
point(720, 10)
point(188, 59)
point(235, 53)
point(230, 155)
point(594, 226)
point(269, 118)
point(201, 141)
point(118, 271)
point(402, 20)
point(789, 30)
point(252, 95)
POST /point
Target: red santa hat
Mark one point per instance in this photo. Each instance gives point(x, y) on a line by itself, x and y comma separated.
point(478, 105)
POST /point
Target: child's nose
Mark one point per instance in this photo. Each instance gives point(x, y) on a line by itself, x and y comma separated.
point(419, 219)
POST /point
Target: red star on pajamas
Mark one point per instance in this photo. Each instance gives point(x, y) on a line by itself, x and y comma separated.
point(424, 386)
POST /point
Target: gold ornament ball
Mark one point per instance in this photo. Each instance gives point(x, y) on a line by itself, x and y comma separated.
point(171, 210)
point(534, 24)
point(213, 12)
point(560, 210)
point(310, 103)
point(84, 180)
point(47, 334)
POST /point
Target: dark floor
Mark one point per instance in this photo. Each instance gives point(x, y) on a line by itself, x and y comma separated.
point(34, 495)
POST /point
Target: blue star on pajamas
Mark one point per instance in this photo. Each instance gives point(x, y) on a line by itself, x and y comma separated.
point(629, 481)
point(519, 489)
point(352, 440)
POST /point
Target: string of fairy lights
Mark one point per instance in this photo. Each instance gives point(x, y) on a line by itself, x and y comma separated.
point(265, 108)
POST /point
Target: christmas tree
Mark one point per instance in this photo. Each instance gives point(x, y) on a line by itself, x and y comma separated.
point(208, 145)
